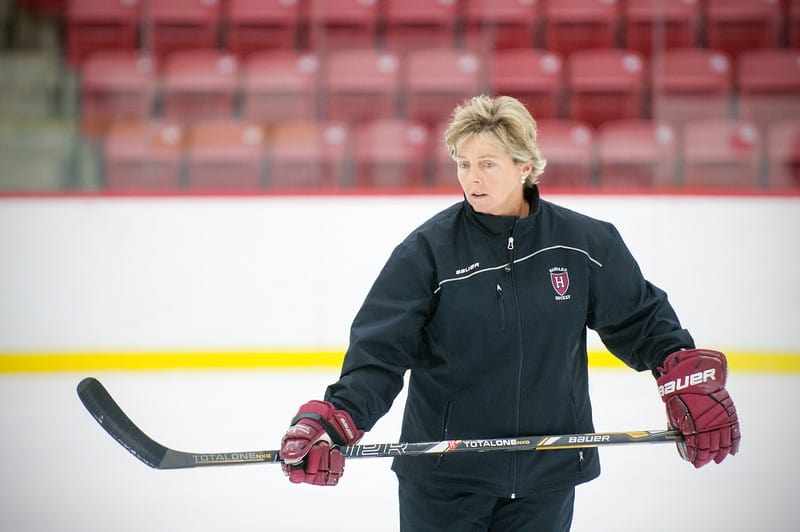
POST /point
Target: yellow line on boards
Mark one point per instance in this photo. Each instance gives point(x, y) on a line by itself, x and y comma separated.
point(48, 362)
point(123, 361)
point(737, 361)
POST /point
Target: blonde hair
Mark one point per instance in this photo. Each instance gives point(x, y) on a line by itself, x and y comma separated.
point(504, 117)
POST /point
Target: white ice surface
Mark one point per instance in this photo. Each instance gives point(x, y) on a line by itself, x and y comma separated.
point(61, 472)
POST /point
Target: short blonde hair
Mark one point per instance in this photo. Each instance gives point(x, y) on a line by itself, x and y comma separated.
point(507, 119)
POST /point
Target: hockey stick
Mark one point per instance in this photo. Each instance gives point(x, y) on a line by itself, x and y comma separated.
point(107, 412)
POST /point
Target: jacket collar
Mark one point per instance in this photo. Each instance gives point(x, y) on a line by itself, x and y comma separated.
point(505, 224)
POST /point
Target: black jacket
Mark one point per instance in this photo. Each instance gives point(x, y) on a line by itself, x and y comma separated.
point(490, 315)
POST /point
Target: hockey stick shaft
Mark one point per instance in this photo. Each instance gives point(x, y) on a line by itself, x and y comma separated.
point(108, 413)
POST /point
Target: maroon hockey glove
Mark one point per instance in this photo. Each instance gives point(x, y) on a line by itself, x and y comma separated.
point(309, 449)
point(692, 385)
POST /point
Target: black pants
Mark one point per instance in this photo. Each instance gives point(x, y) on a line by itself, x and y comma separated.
point(426, 508)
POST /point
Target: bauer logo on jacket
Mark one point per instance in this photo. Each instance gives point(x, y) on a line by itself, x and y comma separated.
point(559, 278)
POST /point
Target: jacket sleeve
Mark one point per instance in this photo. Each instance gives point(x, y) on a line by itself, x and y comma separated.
point(632, 316)
point(385, 335)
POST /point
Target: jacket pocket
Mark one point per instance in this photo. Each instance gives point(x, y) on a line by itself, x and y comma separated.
point(501, 307)
point(576, 421)
point(445, 421)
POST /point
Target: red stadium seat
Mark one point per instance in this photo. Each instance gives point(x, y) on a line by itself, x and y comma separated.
point(116, 85)
point(568, 148)
point(500, 24)
point(636, 153)
point(572, 25)
point(305, 154)
point(93, 25)
point(390, 153)
point(438, 79)
point(721, 153)
point(361, 84)
point(733, 26)
point(665, 24)
point(533, 76)
point(181, 24)
point(769, 85)
point(143, 155)
point(783, 154)
point(224, 154)
point(692, 83)
point(278, 86)
point(443, 169)
point(342, 24)
point(255, 25)
point(605, 84)
point(199, 85)
point(415, 24)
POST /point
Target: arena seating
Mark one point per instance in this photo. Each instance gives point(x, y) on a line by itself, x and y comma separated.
point(534, 76)
point(280, 85)
point(361, 84)
point(605, 84)
point(256, 25)
point(173, 25)
point(500, 24)
point(692, 83)
point(308, 154)
point(342, 24)
point(662, 25)
point(699, 92)
point(224, 154)
point(390, 152)
point(94, 25)
point(416, 24)
point(199, 84)
point(783, 153)
point(568, 147)
point(144, 155)
point(721, 154)
point(116, 85)
point(768, 80)
point(733, 26)
point(572, 25)
point(436, 80)
point(636, 154)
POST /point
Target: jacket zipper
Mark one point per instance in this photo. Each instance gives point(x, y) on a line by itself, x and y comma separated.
point(515, 457)
point(510, 248)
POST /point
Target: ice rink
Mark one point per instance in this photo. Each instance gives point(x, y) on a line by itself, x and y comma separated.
point(62, 472)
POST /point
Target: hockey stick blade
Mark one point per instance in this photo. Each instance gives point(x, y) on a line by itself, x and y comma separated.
point(110, 416)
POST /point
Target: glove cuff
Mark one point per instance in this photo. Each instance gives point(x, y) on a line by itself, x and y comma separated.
point(336, 423)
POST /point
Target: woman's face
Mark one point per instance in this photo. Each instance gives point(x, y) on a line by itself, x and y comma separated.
point(490, 178)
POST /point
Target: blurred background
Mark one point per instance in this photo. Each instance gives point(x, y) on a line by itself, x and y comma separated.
point(220, 95)
point(195, 196)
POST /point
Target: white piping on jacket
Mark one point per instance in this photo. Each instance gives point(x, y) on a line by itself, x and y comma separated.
point(526, 257)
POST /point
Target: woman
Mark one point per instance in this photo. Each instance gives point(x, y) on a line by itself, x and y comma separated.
point(487, 304)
